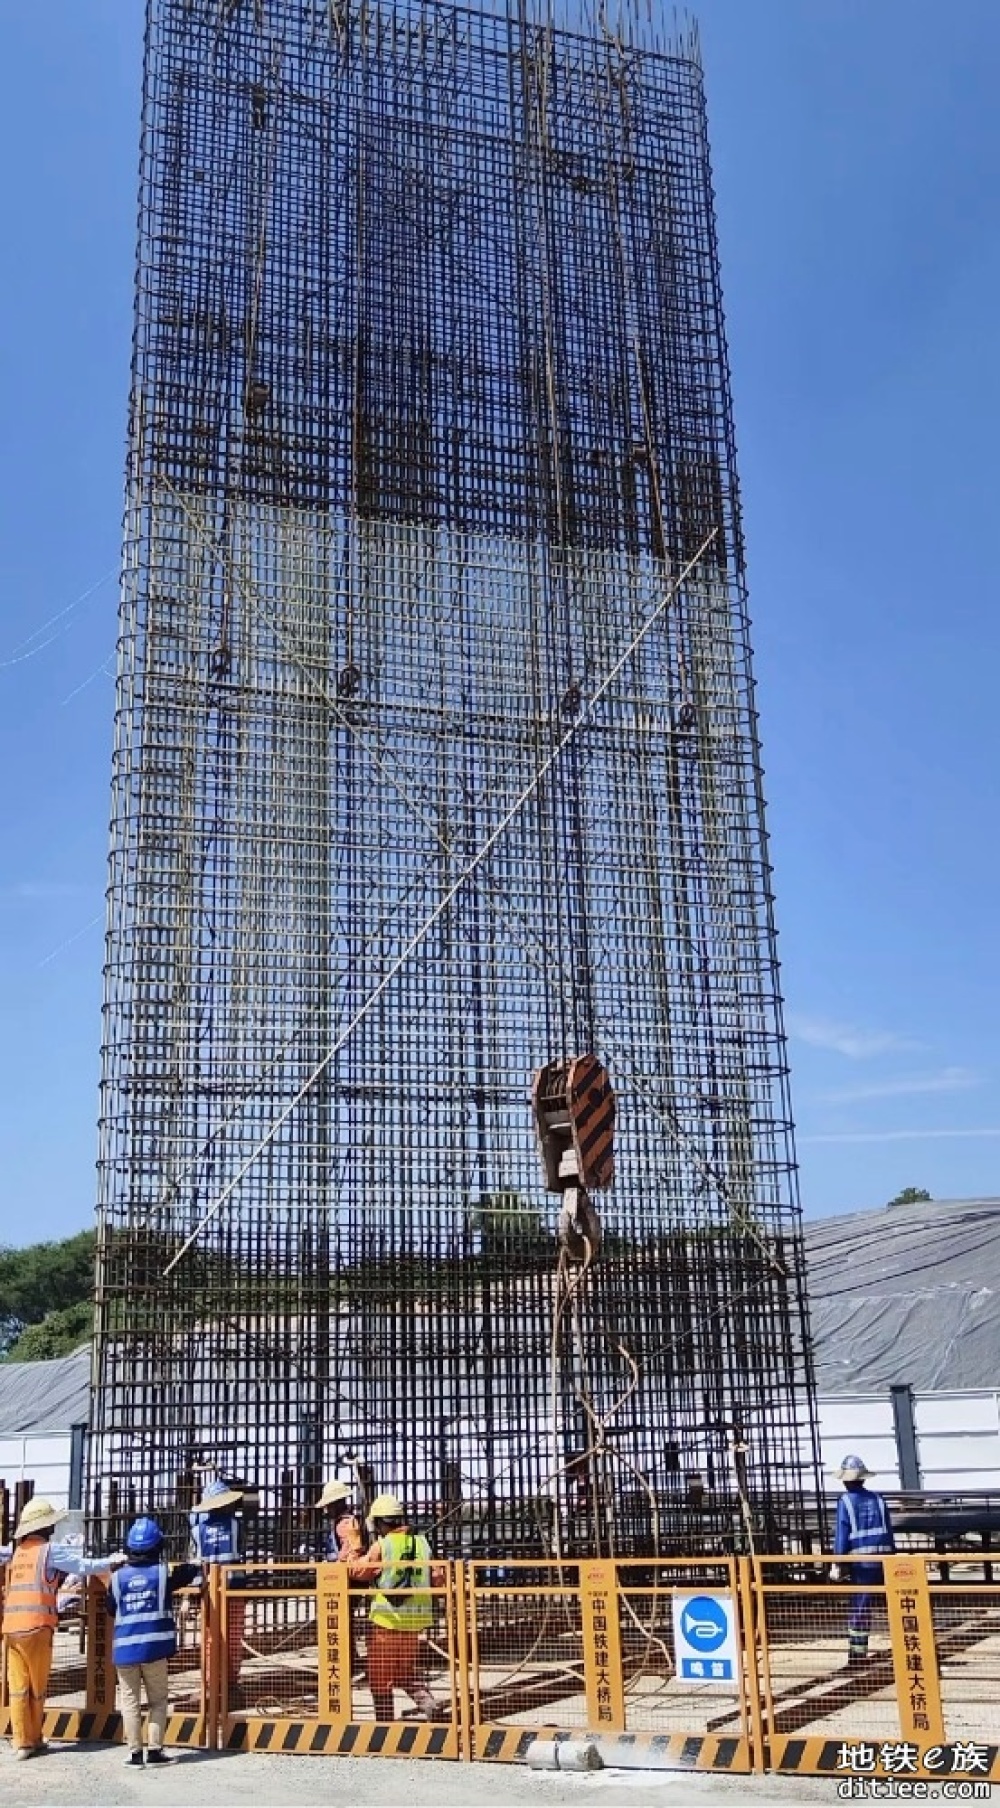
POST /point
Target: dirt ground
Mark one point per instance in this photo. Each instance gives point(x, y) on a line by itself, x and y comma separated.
point(97, 1777)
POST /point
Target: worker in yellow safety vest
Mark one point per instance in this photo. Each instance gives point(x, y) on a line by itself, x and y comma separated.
point(402, 1609)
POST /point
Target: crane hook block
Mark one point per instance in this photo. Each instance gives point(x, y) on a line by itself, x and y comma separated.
point(574, 1106)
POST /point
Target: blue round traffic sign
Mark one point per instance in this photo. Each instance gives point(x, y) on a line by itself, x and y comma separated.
point(705, 1623)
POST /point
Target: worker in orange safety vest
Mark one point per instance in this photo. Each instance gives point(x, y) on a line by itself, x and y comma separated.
point(34, 1568)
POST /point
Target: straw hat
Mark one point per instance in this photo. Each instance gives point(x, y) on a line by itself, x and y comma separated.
point(38, 1516)
point(332, 1493)
point(217, 1496)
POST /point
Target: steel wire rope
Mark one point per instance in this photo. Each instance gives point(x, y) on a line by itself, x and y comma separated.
point(457, 885)
point(24, 650)
point(628, 1461)
point(250, 593)
point(567, 1300)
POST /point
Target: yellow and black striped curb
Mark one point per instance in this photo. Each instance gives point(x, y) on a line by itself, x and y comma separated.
point(105, 1725)
point(826, 1757)
point(676, 1751)
point(357, 1739)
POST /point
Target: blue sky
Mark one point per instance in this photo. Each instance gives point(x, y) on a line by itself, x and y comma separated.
point(857, 163)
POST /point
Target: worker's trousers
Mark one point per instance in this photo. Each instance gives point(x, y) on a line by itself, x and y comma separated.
point(859, 1625)
point(394, 1663)
point(29, 1666)
point(154, 1676)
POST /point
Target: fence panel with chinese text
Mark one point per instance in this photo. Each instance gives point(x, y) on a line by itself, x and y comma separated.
point(81, 1701)
point(826, 1659)
point(965, 1611)
point(301, 1662)
point(641, 1650)
point(918, 1699)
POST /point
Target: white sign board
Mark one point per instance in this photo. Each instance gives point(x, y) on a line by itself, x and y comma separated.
point(705, 1643)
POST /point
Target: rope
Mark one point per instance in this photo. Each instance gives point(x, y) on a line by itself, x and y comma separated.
point(452, 892)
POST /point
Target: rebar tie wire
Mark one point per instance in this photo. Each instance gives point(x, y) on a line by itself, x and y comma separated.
point(439, 909)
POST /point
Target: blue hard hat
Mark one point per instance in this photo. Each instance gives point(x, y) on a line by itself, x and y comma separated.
point(144, 1538)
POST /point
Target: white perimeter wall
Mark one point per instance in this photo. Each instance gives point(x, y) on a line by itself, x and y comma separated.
point(958, 1438)
point(958, 1444)
point(44, 1458)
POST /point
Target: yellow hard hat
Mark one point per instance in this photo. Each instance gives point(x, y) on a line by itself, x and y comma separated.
point(333, 1492)
point(386, 1506)
point(38, 1516)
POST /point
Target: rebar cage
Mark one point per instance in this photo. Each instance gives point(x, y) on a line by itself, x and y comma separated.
point(436, 760)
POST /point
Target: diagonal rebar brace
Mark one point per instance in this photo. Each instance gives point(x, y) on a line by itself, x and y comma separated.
point(413, 944)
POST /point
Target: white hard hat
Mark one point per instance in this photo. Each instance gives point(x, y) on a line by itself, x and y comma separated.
point(386, 1506)
point(854, 1466)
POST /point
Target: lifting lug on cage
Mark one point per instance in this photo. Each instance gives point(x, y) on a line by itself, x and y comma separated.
point(574, 1107)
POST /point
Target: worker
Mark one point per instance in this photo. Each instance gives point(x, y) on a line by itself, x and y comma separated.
point(863, 1529)
point(35, 1564)
point(140, 1597)
point(399, 1564)
point(342, 1532)
point(217, 1537)
point(342, 1539)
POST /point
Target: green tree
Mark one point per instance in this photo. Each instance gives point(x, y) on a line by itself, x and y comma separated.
point(910, 1195)
point(57, 1334)
point(508, 1224)
point(46, 1282)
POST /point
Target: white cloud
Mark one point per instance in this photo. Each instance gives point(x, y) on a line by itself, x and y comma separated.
point(845, 1039)
point(950, 1079)
point(894, 1136)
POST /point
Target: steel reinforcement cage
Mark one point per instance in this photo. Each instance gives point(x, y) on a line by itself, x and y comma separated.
point(436, 760)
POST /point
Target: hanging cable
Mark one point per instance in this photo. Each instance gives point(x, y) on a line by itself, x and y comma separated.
point(25, 650)
point(439, 909)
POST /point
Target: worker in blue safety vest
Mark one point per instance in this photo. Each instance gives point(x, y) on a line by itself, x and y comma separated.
point(863, 1529)
point(217, 1537)
point(140, 1596)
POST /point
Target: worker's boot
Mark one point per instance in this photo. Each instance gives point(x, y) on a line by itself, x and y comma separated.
point(382, 1702)
point(425, 1702)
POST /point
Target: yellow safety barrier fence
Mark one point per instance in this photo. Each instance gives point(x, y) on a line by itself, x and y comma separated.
point(725, 1664)
point(80, 1702)
point(299, 1657)
point(590, 1648)
point(919, 1699)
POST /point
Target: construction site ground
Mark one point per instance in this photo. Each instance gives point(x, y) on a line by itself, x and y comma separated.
point(74, 1775)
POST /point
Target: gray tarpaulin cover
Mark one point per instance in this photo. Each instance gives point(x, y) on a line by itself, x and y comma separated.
point(36, 1397)
point(908, 1294)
